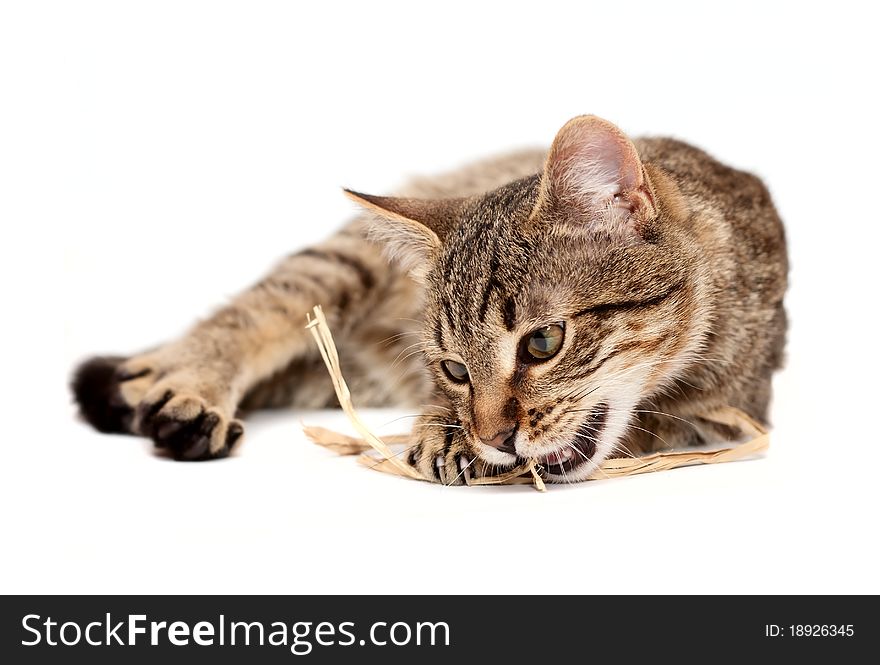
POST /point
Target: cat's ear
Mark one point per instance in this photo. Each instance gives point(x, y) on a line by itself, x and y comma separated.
point(593, 176)
point(411, 230)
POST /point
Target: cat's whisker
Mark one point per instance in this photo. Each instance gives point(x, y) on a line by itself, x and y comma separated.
point(397, 336)
point(668, 415)
point(420, 343)
point(626, 452)
point(626, 371)
point(611, 381)
point(649, 364)
point(578, 451)
point(614, 445)
point(590, 462)
point(419, 347)
point(564, 475)
point(592, 408)
point(401, 361)
point(394, 420)
point(435, 406)
point(657, 436)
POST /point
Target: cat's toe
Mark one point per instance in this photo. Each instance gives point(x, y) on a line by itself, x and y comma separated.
point(186, 427)
point(454, 465)
point(96, 389)
point(464, 470)
point(455, 468)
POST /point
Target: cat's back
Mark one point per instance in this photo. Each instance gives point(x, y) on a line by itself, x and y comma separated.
point(728, 203)
point(711, 184)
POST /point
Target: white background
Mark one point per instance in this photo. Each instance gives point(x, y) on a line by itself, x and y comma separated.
point(157, 157)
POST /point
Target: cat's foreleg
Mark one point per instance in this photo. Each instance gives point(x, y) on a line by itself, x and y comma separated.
point(184, 394)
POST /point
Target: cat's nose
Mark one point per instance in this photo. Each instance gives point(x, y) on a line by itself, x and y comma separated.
point(503, 440)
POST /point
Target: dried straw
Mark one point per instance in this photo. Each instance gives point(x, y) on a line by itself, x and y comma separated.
point(376, 453)
point(321, 332)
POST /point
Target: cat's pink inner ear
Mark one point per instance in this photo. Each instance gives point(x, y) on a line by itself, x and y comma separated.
point(593, 164)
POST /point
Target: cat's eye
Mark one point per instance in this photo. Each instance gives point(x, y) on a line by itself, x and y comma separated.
point(543, 343)
point(455, 371)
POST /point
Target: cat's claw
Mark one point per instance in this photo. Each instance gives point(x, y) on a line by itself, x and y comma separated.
point(440, 466)
point(459, 472)
point(465, 465)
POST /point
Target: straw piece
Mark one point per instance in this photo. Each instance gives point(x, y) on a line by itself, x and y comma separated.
point(628, 466)
point(390, 462)
point(342, 444)
point(321, 332)
point(338, 443)
point(539, 482)
point(508, 477)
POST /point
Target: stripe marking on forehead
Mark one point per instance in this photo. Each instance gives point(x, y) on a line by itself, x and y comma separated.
point(506, 355)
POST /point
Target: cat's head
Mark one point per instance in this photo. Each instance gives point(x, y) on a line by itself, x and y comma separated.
point(554, 304)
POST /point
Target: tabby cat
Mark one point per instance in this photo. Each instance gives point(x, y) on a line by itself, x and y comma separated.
point(570, 305)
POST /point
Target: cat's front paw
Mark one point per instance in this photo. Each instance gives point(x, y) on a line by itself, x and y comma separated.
point(183, 408)
point(186, 425)
point(443, 454)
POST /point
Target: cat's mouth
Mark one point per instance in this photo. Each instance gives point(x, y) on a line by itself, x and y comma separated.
point(581, 448)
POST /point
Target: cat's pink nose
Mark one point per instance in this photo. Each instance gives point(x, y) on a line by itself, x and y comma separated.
point(503, 440)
